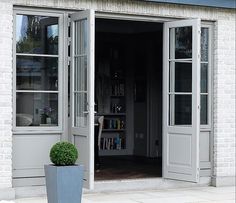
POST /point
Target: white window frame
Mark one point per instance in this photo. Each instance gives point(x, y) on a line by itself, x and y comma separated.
point(61, 57)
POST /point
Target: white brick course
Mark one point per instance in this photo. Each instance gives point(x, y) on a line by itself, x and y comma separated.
point(223, 79)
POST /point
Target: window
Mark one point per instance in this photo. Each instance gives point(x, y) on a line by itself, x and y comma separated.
point(37, 72)
point(205, 76)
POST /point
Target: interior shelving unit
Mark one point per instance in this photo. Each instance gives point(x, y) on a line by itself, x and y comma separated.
point(111, 98)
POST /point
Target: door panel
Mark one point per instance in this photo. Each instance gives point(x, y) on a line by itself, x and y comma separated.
point(26, 163)
point(82, 91)
point(181, 100)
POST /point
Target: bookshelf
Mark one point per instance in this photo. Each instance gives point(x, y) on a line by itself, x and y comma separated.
point(110, 94)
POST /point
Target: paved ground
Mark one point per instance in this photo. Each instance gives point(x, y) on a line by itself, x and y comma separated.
point(188, 195)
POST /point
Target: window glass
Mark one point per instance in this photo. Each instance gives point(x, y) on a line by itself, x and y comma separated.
point(204, 75)
point(204, 44)
point(80, 37)
point(36, 109)
point(180, 109)
point(204, 78)
point(183, 77)
point(36, 34)
point(80, 90)
point(80, 118)
point(80, 73)
point(37, 84)
point(203, 112)
point(182, 37)
point(36, 73)
point(183, 109)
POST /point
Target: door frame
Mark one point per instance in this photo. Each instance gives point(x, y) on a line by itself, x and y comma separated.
point(84, 131)
point(204, 23)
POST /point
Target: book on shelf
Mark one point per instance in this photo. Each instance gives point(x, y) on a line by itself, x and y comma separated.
point(114, 123)
point(112, 143)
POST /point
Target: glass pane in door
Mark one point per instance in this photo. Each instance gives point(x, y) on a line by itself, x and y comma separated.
point(80, 84)
point(80, 114)
point(180, 109)
point(181, 42)
point(180, 76)
point(80, 93)
point(183, 109)
point(80, 37)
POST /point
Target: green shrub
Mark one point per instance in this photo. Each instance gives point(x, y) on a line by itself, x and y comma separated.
point(63, 154)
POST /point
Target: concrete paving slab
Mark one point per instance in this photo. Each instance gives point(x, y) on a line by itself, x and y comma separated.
point(181, 195)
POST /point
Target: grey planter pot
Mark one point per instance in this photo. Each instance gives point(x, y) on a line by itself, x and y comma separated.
point(64, 183)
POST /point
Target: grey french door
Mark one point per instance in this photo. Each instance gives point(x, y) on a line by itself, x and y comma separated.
point(82, 90)
point(181, 100)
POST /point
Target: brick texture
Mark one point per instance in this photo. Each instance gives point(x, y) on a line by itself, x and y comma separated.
point(6, 26)
point(224, 98)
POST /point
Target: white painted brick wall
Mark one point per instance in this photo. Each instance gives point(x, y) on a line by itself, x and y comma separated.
point(224, 99)
point(5, 94)
point(224, 70)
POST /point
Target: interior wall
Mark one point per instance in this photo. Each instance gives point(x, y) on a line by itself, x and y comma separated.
point(155, 96)
point(148, 107)
point(140, 96)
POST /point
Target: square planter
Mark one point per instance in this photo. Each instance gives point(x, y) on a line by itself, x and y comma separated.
point(64, 183)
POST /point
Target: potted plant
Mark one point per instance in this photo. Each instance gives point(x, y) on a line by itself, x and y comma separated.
point(64, 179)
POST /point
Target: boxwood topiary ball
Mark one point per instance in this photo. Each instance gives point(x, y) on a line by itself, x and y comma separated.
point(63, 154)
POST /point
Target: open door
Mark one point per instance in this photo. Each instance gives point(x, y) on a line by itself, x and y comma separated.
point(82, 90)
point(181, 100)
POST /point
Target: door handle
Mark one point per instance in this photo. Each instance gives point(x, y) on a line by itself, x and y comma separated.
point(86, 112)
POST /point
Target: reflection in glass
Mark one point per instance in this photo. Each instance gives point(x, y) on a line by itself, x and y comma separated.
point(183, 77)
point(204, 44)
point(80, 37)
point(203, 112)
point(204, 77)
point(183, 42)
point(36, 73)
point(36, 34)
point(80, 73)
point(80, 107)
point(36, 109)
point(180, 109)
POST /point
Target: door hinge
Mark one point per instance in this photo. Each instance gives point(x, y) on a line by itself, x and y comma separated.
point(69, 22)
point(69, 61)
point(69, 41)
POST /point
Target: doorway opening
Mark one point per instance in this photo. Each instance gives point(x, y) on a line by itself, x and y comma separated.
point(128, 96)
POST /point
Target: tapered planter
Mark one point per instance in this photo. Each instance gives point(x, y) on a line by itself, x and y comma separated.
point(64, 183)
